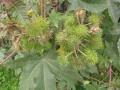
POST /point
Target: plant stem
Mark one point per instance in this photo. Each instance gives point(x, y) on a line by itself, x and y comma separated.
point(7, 58)
point(42, 8)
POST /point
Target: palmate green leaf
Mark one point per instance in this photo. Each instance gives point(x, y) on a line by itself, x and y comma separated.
point(93, 1)
point(74, 4)
point(18, 11)
point(37, 73)
point(109, 50)
point(113, 57)
point(92, 7)
point(70, 75)
point(41, 73)
point(38, 76)
point(98, 7)
point(116, 62)
point(117, 1)
point(114, 10)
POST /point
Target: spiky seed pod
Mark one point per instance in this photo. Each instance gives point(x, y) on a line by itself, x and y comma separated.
point(26, 43)
point(38, 27)
point(71, 43)
point(80, 15)
point(91, 56)
point(94, 19)
point(41, 39)
point(32, 44)
point(96, 42)
point(61, 37)
point(70, 21)
point(81, 31)
point(38, 36)
point(84, 42)
point(69, 29)
point(49, 35)
point(95, 30)
point(45, 37)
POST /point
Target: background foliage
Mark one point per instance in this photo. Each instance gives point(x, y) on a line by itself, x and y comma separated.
point(65, 45)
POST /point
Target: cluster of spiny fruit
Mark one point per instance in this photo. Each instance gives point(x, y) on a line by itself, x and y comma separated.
point(94, 20)
point(81, 37)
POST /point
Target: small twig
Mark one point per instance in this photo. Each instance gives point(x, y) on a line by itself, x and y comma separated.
point(92, 78)
point(96, 80)
point(82, 45)
point(7, 11)
point(110, 74)
point(68, 54)
point(75, 53)
point(82, 52)
point(7, 58)
point(42, 8)
point(105, 78)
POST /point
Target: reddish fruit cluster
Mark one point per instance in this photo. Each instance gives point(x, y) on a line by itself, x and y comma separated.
point(94, 30)
point(81, 15)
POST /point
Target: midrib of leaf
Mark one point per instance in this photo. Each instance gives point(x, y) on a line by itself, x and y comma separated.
point(52, 66)
point(46, 71)
point(44, 77)
point(30, 75)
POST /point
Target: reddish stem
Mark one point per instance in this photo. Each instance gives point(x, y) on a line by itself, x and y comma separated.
point(110, 74)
